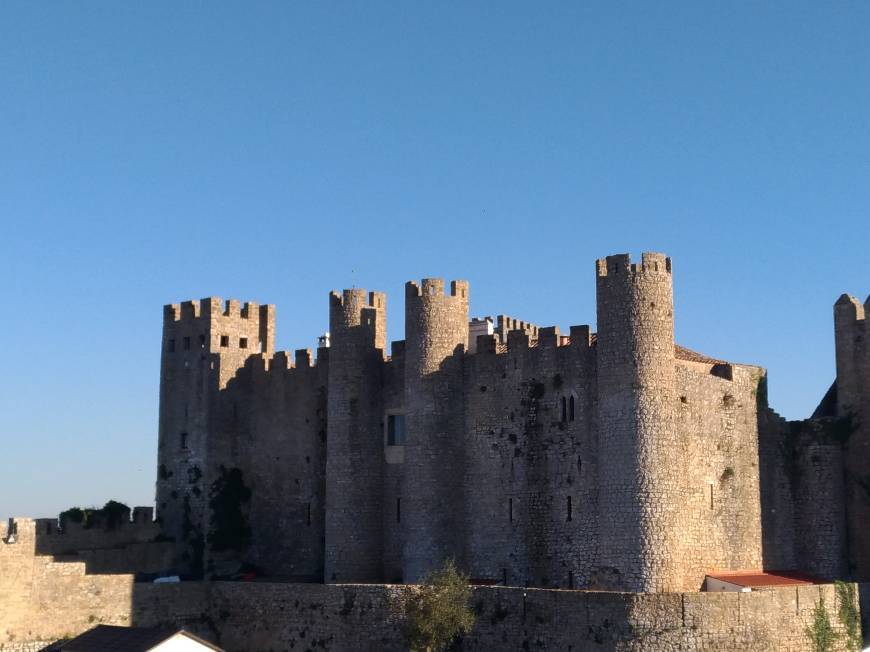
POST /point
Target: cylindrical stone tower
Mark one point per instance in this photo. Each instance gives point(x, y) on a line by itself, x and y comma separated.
point(852, 335)
point(640, 456)
point(436, 334)
point(354, 441)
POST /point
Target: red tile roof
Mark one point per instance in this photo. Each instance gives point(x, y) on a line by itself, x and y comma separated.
point(761, 579)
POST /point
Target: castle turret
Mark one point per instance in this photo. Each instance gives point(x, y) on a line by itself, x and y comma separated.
point(355, 445)
point(436, 333)
point(852, 335)
point(204, 344)
point(640, 493)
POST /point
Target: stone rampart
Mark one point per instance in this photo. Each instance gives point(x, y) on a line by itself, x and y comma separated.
point(271, 616)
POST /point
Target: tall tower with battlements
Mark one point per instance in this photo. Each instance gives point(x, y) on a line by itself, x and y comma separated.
point(436, 334)
point(204, 344)
point(852, 336)
point(355, 447)
point(639, 452)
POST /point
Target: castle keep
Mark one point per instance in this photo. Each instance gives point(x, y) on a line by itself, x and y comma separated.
point(615, 459)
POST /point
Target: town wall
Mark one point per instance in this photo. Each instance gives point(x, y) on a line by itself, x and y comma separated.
point(45, 600)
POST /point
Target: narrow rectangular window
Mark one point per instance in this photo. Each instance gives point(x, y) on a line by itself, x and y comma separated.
point(308, 515)
point(570, 509)
point(187, 344)
point(202, 341)
point(571, 409)
point(171, 346)
point(184, 441)
point(243, 342)
point(570, 579)
point(395, 430)
point(511, 510)
point(711, 496)
point(398, 510)
point(225, 341)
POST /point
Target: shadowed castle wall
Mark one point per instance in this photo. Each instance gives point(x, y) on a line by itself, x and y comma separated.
point(273, 415)
point(355, 457)
point(204, 344)
point(530, 468)
point(852, 334)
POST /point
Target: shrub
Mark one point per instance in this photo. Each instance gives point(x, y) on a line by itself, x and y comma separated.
point(438, 610)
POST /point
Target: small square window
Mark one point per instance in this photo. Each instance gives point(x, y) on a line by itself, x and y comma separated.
point(243, 342)
point(225, 341)
point(187, 344)
point(171, 346)
point(395, 430)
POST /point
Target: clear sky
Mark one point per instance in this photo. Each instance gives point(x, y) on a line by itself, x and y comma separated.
point(155, 152)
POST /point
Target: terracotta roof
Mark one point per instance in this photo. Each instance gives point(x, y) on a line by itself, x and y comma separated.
point(109, 638)
point(682, 353)
point(760, 579)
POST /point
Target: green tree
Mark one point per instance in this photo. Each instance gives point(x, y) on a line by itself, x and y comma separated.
point(437, 611)
point(821, 634)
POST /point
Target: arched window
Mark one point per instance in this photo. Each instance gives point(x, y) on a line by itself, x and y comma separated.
point(571, 408)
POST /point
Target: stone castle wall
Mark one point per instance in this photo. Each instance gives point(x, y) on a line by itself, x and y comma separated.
point(45, 599)
point(511, 451)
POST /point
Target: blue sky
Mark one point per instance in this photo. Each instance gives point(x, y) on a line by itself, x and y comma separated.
point(155, 152)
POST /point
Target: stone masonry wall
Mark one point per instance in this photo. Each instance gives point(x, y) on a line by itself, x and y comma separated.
point(44, 600)
point(355, 458)
point(643, 486)
point(852, 333)
point(530, 513)
point(273, 413)
point(718, 425)
point(436, 332)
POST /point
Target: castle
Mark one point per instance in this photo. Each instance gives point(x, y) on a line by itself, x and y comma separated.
point(615, 459)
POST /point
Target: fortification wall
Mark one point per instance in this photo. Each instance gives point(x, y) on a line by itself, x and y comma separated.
point(263, 616)
point(204, 345)
point(393, 393)
point(717, 422)
point(777, 498)
point(803, 498)
point(271, 422)
point(530, 512)
point(46, 597)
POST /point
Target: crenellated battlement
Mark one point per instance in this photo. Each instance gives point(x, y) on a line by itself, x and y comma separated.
point(849, 308)
point(518, 340)
point(92, 530)
point(620, 265)
point(214, 306)
point(434, 287)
